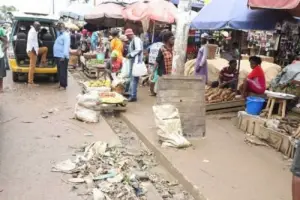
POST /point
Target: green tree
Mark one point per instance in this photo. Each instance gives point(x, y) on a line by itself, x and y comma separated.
point(4, 10)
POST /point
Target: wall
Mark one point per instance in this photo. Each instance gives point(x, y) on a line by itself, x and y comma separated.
point(187, 94)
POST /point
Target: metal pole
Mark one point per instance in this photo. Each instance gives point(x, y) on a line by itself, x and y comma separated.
point(95, 2)
point(53, 8)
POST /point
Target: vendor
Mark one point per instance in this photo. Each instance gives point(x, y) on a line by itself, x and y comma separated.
point(114, 65)
point(116, 44)
point(228, 76)
point(255, 81)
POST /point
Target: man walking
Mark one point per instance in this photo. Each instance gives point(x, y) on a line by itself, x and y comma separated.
point(135, 53)
point(33, 51)
point(61, 53)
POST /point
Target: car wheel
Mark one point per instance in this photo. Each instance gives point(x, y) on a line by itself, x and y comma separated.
point(15, 77)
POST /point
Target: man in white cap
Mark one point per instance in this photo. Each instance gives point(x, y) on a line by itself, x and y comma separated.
point(201, 61)
point(135, 53)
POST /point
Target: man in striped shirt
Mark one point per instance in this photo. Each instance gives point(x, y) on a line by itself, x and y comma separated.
point(228, 76)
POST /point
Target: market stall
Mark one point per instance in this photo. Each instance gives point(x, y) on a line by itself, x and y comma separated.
point(234, 14)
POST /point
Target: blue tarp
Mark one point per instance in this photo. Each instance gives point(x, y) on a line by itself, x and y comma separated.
point(235, 14)
point(199, 4)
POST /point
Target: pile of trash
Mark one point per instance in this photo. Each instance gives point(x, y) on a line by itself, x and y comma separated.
point(108, 172)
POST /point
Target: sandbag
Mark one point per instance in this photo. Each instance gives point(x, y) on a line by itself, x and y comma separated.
point(170, 130)
point(216, 65)
point(86, 115)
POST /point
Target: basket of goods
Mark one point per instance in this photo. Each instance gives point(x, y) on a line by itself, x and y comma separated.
point(112, 98)
point(94, 63)
point(97, 85)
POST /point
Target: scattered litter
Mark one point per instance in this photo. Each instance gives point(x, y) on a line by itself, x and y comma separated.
point(205, 161)
point(27, 122)
point(65, 166)
point(98, 195)
point(45, 116)
point(88, 134)
point(76, 180)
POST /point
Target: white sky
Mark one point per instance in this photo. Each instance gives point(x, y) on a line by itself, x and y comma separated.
point(41, 6)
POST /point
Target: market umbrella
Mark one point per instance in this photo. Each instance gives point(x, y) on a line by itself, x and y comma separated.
point(235, 14)
point(76, 11)
point(106, 15)
point(293, 6)
point(156, 10)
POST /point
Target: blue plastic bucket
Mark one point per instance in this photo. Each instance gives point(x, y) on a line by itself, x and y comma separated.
point(254, 105)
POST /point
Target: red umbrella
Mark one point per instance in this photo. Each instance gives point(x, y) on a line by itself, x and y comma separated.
point(107, 15)
point(157, 10)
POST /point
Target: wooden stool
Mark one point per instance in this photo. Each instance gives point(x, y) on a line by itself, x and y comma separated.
point(281, 109)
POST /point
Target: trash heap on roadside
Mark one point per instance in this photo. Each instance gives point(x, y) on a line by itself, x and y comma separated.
point(107, 171)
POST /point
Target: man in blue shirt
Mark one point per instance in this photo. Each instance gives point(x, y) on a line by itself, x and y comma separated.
point(61, 51)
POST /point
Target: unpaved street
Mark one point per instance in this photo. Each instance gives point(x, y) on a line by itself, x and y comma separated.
point(37, 131)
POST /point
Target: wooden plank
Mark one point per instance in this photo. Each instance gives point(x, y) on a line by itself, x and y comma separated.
point(225, 110)
point(222, 105)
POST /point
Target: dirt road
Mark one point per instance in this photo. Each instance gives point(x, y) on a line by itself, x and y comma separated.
point(36, 129)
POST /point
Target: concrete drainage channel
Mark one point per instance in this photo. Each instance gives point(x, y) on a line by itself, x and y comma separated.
point(165, 186)
point(162, 185)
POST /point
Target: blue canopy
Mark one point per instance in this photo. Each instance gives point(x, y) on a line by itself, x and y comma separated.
point(235, 14)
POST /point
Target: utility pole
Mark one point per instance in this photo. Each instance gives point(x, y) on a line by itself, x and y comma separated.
point(95, 2)
point(181, 37)
point(53, 7)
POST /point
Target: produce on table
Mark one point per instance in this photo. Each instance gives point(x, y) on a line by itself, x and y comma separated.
point(216, 95)
point(99, 83)
point(95, 62)
point(111, 98)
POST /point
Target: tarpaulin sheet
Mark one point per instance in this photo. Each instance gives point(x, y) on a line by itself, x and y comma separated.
point(274, 4)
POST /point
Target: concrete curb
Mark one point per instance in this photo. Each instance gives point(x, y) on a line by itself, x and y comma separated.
point(162, 159)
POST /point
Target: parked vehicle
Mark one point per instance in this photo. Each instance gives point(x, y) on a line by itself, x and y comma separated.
point(18, 58)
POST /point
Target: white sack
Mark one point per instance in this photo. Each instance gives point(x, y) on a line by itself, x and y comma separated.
point(90, 100)
point(167, 119)
point(86, 115)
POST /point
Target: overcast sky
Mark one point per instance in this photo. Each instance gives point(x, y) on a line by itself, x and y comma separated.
point(42, 6)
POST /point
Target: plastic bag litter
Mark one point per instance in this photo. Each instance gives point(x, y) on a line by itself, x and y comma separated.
point(89, 100)
point(168, 121)
point(86, 115)
point(66, 166)
point(98, 195)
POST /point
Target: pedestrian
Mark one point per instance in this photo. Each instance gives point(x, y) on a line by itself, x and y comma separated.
point(3, 48)
point(295, 169)
point(116, 44)
point(135, 53)
point(163, 65)
point(34, 50)
point(61, 53)
point(153, 53)
point(94, 40)
point(201, 61)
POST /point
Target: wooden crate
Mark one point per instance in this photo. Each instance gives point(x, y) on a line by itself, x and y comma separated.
point(277, 140)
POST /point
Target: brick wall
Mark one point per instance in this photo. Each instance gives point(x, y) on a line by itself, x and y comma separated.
point(187, 94)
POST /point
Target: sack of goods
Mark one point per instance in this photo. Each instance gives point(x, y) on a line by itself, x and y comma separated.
point(88, 107)
point(168, 121)
point(86, 115)
point(112, 98)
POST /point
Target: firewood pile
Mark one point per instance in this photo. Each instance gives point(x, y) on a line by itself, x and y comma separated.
point(217, 95)
point(290, 127)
